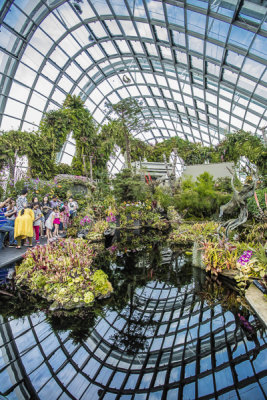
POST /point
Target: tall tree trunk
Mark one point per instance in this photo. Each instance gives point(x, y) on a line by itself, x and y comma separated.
point(128, 148)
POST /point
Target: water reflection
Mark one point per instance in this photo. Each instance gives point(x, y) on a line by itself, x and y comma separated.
point(167, 333)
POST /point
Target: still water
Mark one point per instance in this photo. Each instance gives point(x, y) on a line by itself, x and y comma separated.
point(167, 332)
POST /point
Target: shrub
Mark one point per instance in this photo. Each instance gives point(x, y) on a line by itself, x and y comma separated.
point(129, 187)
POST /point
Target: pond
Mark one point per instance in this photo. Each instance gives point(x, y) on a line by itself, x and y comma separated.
point(167, 332)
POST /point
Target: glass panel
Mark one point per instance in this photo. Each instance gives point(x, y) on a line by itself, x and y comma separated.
point(119, 8)
point(19, 92)
point(218, 29)
point(137, 47)
point(101, 7)
point(32, 57)
point(178, 38)
point(8, 40)
point(162, 33)
point(229, 76)
point(33, 116)
point(53, 26)
point(253, 68)
point(144, 30)
point(175, 15)
point(113, 28)
point(196, 22)
point(69, 45)
point(246, 84)
point(43, 86)
point(197, 62)
point(213, 69)
point(259, 47)
point(14, 108)
point(59, 57)
point(200, 3)
point(137, 8)
point(166, 52)
point(214, 51)
point(25, 74)
point(128, 27)
point(73, 71)
point(226, 8)
point(240, 37)
point(84, 61)
point(16, 20)
point(195, 44)
point(156, 11)
point(65, 84)
point(67, 16)
point(234, 59)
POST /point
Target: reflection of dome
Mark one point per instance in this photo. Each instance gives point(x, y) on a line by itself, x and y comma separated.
point(188, 347)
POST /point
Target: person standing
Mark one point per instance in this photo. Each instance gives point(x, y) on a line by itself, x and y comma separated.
point(22, 200)
point(73, 207)
point(37, 220)
point(5, 225)
point(11, 212)
point(24, 226)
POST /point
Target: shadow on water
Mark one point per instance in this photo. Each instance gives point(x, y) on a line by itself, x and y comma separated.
point(169, 331)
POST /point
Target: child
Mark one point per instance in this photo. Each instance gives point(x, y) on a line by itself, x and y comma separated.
point(49, 225)
point(37, 223)
point(66, 216)
point(56, 220)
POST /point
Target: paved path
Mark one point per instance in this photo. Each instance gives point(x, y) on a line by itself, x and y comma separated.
point(10, 255)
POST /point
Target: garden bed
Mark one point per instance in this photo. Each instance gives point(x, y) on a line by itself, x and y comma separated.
point(63, 274)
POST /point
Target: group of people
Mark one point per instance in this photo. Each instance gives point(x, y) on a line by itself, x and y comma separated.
point(21, 220)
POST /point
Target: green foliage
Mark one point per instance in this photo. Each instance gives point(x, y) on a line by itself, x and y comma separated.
point(187, 234)
point(241, 143)
point(252, 205)
point(200, 198)
point(63, 274)
point(129, 187)
point(164, 197)
point(256, 267)
point(128, 120)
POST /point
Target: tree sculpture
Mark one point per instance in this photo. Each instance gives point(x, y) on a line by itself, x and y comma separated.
point(238, 201)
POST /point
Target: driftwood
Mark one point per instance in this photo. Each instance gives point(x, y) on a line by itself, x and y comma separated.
point(238, 201)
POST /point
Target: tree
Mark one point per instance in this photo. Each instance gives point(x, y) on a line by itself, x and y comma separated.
point(128, 120)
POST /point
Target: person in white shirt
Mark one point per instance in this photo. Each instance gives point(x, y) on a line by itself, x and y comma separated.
point(73, 207)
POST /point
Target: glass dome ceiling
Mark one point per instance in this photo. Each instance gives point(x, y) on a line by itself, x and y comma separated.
point(198, 65)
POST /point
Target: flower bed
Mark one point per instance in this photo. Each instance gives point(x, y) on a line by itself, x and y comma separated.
point(63, 274)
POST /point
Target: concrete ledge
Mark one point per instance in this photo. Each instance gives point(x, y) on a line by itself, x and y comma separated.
point(257, 302)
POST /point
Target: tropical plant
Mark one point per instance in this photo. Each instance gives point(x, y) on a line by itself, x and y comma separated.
point(63, 273)
point(199, 198)
point(186, 234)
point(129, 187)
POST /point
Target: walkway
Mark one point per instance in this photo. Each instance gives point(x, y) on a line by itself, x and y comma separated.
point(10, 255)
